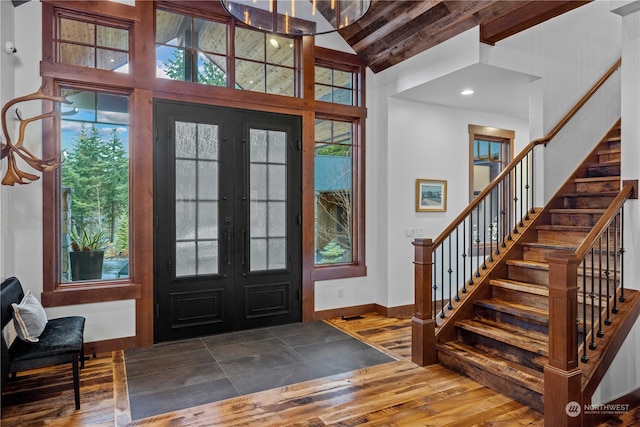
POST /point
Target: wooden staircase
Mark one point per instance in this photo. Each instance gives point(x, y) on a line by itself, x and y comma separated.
point(502, 341)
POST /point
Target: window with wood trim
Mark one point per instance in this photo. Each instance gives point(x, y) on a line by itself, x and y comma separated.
point(337, 85)
point(94, 202)
point(490, 150)
point(91, 42)
point(191, 49)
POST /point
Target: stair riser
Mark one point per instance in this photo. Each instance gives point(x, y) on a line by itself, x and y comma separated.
point(580, 219)
point(538, 254)
point(506, 351)
point(597, 186)
point(603, 170)
point(501, 385)
point(562, 237)
point(528, 275)
point(609, 157)
point(510, 319)
point(614, 145)
point(524, 298)
point(588, 202)
point(532, 253)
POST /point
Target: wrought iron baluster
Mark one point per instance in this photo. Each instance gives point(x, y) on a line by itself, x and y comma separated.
point(450, 271)
point(442, 298)
point(464, 256)
point(523, 196)
point(607, 320)
point(614, 310)
point(584, 357)
point(484, 233)
point(600, 331)
point(458, 263)
point(478, 244)
point(533, 182)
point(515, 200)
point(592, 295)
point(622, 250)
point(526, 215)
point(471, 243)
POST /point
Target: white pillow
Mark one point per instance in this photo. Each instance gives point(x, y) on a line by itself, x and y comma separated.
point(29, 318)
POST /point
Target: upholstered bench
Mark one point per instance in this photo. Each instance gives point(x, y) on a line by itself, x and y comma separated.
point(61, 341)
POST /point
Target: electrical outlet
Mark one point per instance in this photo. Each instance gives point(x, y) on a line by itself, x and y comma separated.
point(340, 292)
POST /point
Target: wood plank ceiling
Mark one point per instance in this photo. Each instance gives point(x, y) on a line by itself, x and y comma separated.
point(392, 31)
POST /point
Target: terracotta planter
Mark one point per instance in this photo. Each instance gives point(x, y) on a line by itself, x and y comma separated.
point(86, 265)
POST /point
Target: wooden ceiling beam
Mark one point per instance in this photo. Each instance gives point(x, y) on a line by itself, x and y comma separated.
point(417, 39)
point(526, 15)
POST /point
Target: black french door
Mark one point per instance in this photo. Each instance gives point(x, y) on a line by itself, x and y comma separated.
point(227, 202)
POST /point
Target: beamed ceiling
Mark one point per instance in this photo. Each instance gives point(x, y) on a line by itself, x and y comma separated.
point(392, 31)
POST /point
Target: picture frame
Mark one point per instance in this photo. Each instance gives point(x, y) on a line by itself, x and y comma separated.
point(431, 195)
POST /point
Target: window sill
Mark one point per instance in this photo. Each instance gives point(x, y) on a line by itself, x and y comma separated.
point(72, 294)
point(338, 272)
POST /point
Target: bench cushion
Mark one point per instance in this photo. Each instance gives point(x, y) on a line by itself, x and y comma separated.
point(60, 336)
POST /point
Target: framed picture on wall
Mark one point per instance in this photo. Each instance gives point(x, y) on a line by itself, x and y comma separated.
point(431, 195)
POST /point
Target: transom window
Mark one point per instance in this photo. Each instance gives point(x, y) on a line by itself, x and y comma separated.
point(191, 49)
point(90, 44)
point(337, 86)
point(265, 63)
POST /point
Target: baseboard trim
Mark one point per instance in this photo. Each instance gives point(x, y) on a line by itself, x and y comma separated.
point(107, 346)
point(358, 310)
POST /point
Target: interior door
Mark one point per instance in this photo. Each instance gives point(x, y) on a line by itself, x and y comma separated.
point(227, 220)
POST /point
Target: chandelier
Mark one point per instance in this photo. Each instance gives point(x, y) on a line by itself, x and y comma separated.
point(297, 17)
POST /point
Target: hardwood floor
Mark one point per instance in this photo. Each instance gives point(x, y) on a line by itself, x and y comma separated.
point(394, 394)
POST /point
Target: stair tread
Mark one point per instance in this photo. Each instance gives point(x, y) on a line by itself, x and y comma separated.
point(525, 311)
point(592, 194)
point(503, 368)
point(551, 245)
point(532, 341)
point(597, 179)
point(610, 151)
point(550, 227)
point(531, 288)
point(600, 164)
point(578, 211)
point(538, 265)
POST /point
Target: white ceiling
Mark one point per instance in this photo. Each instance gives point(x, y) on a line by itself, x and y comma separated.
point(496, 91)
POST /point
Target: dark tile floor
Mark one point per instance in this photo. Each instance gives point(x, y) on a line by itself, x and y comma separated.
point(182, 374)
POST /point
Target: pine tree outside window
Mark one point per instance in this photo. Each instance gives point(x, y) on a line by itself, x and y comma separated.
point(94, 186)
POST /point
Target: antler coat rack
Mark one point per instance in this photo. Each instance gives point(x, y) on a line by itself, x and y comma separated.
point(12, 151)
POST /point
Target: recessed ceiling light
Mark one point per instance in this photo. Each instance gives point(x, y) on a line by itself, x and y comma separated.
point(274, 43)
point(467, 92)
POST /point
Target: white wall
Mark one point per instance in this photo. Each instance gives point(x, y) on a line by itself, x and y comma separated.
point(7, 66)
point(432, 142)
point(22, 204)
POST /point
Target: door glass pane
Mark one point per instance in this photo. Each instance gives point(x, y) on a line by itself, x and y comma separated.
point(196, 199)
point(268, 188)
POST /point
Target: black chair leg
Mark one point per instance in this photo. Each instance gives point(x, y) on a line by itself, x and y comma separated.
point(82, 357)
point(76, 381)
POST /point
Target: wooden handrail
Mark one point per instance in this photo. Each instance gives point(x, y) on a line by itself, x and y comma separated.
point(600, 227)
point(525, 152)
point(580, 103)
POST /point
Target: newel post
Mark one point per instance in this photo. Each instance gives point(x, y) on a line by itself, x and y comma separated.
point(562, 376)
point(423, 326)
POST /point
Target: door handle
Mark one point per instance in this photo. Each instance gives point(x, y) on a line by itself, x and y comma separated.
point(228, 237)
point(243, 234)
